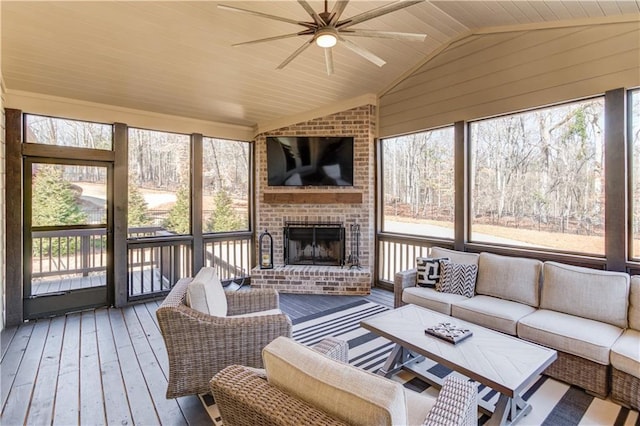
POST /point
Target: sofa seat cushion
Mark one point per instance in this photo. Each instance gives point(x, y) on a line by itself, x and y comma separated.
point(588, 293)
point(431, 299)
point(625, 353)
point(206, 294)
point(339, 389)
point(578, 336)
point(509, 278)
point(492, 312)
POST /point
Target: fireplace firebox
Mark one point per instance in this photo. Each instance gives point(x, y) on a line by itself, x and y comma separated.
point(314, 244)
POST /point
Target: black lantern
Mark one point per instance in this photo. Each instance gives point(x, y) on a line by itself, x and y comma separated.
point(265, 243)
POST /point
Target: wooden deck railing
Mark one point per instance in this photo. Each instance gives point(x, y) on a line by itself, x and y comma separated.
point(398, 253)
point(230, 254)
point(68, 251)
point(157, 259)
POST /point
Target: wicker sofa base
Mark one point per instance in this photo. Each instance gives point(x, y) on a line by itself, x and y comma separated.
point(581, 372)
point(625, 389)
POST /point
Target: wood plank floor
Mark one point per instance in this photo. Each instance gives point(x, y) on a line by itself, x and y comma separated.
point(108, 366)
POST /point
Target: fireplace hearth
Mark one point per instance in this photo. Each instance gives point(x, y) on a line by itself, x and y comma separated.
point(321, 244)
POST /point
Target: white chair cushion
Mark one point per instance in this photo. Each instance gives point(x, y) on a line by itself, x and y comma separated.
point(587, 293)
point(625, 353)
point(492, 312)
point(418, 406)
point(341, 390)
point(431, 299)
point(258, 314)
point(578, 336)
point(634, 303)
point(206, 294)
point(455, 256)
point(510, 278)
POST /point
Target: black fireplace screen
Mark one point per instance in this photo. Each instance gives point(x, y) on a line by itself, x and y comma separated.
point(314, 244)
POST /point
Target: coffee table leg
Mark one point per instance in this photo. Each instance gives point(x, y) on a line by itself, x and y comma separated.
point(398, 358)
point(509, 410)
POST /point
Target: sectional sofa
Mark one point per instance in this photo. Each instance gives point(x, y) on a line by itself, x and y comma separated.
point(591, 317)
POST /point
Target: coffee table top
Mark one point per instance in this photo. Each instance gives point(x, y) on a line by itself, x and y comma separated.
point(502, 362)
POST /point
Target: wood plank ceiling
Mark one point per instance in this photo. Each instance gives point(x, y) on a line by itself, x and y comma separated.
point(176, 57)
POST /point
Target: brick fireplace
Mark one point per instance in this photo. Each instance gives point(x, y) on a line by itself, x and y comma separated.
point(347, 206)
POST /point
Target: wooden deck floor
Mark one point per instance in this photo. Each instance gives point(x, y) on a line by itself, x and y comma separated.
point(107, 366)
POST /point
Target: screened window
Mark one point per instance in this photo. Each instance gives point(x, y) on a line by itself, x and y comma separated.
point(418, 183)
point(225, 204)
point(538, 178)
point(69, 133)
point(634, 140)
point(159, 189)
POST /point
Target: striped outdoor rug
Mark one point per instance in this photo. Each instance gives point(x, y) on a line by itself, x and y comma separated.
point(554, 402)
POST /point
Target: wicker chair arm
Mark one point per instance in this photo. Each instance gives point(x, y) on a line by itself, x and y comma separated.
point(402, 280)
point(333, 348)
point(246, 399)
point(254, 300)
point(457, 404)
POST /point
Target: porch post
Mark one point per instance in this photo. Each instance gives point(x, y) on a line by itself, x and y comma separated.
point(615, 169)
point(13, 214)
point(120, 211)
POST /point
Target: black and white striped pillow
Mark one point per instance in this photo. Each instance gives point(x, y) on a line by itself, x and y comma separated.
point(457, 278)
point(428, 271)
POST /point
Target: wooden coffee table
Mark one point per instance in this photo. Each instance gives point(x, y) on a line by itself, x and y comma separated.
point(504, 363)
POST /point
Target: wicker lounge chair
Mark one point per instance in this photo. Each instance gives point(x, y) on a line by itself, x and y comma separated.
point(200, 345)
point(245, 397)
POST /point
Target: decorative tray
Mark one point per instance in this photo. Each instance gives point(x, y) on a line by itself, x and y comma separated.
point(449, 332)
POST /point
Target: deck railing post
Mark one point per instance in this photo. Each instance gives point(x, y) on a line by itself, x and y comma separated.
point(85, 242)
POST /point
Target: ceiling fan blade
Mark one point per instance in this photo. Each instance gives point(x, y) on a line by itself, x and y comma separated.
point(317, 19)
point(294, 54)
point(262, 15)
point(328, 60)
point(267, 39)
point(384, 34)
point(374, 13)
point(363, 52)
point(337, 10)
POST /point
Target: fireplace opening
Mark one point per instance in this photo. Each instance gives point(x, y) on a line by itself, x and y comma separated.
point(314, 244)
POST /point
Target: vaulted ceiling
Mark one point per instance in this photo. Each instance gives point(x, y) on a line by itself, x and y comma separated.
point(176, 57)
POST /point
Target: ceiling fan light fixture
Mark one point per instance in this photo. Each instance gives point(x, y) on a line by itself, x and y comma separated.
point(326, 38)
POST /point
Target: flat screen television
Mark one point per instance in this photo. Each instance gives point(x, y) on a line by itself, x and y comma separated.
point(310, 161)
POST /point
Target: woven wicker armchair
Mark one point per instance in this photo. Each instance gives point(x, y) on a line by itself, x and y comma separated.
point(246, 398)
point(200, 345)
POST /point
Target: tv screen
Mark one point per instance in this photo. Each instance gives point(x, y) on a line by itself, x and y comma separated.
point(309, 161)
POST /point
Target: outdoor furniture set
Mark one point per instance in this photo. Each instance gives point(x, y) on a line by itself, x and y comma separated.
point(590, 317)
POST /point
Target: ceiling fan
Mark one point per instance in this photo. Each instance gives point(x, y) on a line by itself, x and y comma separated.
point(327, 29)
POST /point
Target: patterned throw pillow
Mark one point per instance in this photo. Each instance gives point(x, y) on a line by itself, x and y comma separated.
point(457, 278)
point(428, 271)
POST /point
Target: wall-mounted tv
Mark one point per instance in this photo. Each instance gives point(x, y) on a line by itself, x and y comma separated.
point(310, 161)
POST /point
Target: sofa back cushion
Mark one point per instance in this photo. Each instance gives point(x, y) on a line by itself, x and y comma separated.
point(339, 389)
point(588, 293)
point(206, 294)
point(511, 278)
point(455, 256)
point(634, 303)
